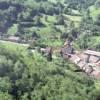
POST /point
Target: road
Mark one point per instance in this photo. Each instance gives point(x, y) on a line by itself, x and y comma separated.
point(22, 44)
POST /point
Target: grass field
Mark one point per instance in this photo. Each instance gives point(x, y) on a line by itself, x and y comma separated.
point(13, 46)
point(94, 12)
point(53, 43)
point(75, 19)
point(13, 29)
point(97, 39)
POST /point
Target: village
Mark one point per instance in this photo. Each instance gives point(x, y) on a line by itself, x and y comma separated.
point(88, 61)
point(50, 49)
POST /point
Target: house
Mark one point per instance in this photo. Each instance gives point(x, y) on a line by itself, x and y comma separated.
point(90, 52)
point(92, 56)
point(13, 38)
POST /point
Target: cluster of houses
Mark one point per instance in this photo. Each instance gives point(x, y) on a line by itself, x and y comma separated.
point(88, 60)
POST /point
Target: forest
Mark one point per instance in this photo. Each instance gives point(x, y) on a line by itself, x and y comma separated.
point(25, 75)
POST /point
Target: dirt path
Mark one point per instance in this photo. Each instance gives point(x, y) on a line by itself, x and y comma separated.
point(22, 44)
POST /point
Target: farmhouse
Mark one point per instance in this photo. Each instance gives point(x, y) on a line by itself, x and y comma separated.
point(13, 39)
point(88, 60)
point(92, 56)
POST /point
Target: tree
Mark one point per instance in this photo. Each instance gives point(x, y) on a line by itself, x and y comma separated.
point(60, 20)
point(66, 10)
point(97, 20)
point(49, 9)
point(64, 35)
point(97, 3)
point(5, 96)
point(38, 21)
point(5, 84)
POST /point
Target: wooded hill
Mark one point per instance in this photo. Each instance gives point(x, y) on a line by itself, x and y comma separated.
point(29, 76)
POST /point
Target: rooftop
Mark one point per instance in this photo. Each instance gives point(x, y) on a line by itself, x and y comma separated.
point(13, 38)
point(94, 53)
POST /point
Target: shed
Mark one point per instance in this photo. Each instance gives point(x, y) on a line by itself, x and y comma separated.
point(90, 52)
point(14, 38)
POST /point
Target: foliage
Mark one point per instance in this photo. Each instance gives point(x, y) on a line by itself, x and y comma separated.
point(26, 77)
point(29, 76)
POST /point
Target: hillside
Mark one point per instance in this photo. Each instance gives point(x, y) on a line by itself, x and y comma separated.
point(32, 35)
